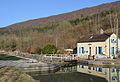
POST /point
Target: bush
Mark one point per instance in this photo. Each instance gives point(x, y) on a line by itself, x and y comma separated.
point(34, 50)
point(49, 49)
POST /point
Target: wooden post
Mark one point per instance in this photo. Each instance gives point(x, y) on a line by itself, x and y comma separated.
point(51, 56)
point(61, 57)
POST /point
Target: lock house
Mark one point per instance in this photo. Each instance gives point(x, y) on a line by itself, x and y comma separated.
point(103, 45)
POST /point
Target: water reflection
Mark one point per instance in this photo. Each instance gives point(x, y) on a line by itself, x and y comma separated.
point(67, 74)
point(110, 74)
point(79, 73)
point(67, 69)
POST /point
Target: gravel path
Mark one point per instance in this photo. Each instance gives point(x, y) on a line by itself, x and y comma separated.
point(10, 63)
point(21, 63)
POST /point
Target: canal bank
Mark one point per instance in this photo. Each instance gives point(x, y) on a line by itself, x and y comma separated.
point(50, 63)
point(65, 68)
point(51, 66)
point(61, 60)
point(101, 62)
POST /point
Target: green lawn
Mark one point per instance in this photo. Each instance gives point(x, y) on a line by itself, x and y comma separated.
point(6, 57)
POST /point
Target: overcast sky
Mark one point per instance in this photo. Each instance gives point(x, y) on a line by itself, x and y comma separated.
point(14, 11)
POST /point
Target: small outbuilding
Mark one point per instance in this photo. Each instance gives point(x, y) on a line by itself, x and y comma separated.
point(68, 51)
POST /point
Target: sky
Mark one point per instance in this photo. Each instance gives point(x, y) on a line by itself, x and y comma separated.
point(14, 11)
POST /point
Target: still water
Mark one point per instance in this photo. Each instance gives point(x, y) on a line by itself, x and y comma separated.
point(79, 73)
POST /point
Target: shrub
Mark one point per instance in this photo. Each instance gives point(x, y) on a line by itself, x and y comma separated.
point(34, 50)
point(49, 49)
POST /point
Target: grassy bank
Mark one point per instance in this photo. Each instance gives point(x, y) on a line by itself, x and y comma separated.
point(11, 74)
point(108, 60)
point(6, 57)
point(102, 62)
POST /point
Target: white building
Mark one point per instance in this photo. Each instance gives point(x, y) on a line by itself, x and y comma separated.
point(100, 45)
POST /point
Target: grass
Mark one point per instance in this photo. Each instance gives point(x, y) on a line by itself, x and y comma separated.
point(11, 74)
point(6, 57)
point(108, 60)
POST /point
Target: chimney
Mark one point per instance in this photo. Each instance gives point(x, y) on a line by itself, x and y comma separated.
point(101, 31)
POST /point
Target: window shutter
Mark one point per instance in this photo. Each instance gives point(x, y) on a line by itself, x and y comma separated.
point(96, 51)
point(115, 51)
point(79, 49)
point(82, 49)
point(101, 50)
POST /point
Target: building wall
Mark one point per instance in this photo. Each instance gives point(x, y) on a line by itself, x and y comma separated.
point(107, 48)
point(110, 43)
point(93, 46)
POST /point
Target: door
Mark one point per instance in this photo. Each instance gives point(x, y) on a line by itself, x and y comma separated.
point(90, 51)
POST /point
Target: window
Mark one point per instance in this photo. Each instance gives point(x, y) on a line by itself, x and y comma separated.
point(114, 78)
point(113, 41)
point(81, 50)
point(113, 70)
point(113, 50)
point(98, 69)
point(81, 66)
point(99, 50)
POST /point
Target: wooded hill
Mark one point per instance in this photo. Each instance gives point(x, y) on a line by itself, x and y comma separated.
point(61, 30)
point(42, 22)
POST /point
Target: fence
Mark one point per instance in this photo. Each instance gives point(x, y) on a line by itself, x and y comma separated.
point(46, 57)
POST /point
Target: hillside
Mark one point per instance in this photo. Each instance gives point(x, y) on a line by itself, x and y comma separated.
point(42, 22)
point(63, 30)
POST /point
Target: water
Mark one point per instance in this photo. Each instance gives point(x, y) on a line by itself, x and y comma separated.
point(79, 73)
point(111, 74)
